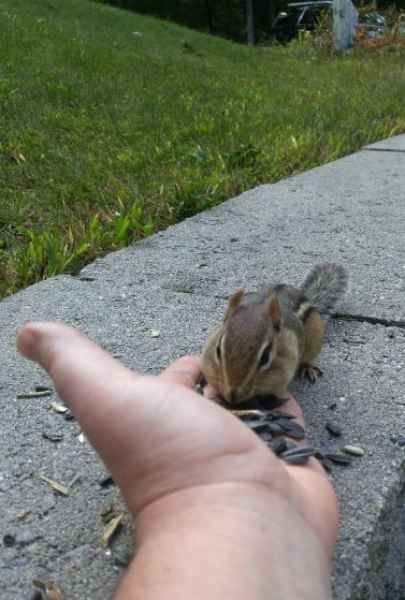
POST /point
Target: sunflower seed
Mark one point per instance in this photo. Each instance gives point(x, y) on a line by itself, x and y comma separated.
point(52, 437)
point(355, 450)
point(69, 416)
point(295, 460)
point(266, 437)
point(27, 395)
point(339, 459)
point(299, 451)
point(264, 428)
point(279, 414)
point(292, 429)
point(327, 464)
point(333, 429)
point(249, 414)
point(279, 446)
point(42, 388)
point(58, 407)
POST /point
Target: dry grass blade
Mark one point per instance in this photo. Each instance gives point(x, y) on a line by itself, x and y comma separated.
point(58, 487)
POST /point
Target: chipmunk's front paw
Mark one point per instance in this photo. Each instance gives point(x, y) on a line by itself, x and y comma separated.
point(310, 372)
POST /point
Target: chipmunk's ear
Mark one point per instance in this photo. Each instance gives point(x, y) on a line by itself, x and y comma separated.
point(233, 303)
point(274, 311)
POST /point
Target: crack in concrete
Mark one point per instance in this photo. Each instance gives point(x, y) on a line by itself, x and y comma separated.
point(367, 319)
point(384, 150)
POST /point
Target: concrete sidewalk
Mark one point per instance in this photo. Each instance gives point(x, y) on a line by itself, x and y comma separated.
point(351, 211)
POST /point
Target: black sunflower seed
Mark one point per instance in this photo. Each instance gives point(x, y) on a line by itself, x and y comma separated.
point(292, 429)
point(333, 429)
point(279, 414)
point(266, 437)
point(327, 464)
point(279, 446)
point(298, 455)
point(339, 459)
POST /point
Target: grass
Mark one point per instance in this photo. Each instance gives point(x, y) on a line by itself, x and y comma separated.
point(114, 125)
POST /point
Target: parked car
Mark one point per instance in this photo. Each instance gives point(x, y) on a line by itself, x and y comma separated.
point(304, 16)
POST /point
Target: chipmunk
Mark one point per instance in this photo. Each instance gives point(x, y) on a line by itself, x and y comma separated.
point(267, 337)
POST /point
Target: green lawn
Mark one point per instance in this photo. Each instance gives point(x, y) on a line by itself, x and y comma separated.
point(113, 125)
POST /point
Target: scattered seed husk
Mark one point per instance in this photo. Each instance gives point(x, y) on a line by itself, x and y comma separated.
point(106, 481)
point(333, 429)
point(42, 388)
point(339, 459)
point(354, 450)
point(58, 487)
point(52, 437)
point(81, 438)
point(50, 589)
point(154, 333)
point(58, 407)
point(23, 514)
point(9, 540)
point(108, 513)
point(279, 446)
point(26, 395)
point(292, 429)
point(111, 529)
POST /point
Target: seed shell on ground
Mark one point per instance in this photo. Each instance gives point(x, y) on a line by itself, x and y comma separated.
point(354, 450)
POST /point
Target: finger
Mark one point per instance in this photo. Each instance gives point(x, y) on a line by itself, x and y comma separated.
point(186, 371)
point(88, 379)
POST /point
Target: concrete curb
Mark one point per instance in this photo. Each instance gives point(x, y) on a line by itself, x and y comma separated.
point(351, 211)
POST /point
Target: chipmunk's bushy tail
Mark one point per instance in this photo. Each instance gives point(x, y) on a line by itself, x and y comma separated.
point(325, 285)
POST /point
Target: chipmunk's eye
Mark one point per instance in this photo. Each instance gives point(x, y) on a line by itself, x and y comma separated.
point(218, 352)
point(265, 358)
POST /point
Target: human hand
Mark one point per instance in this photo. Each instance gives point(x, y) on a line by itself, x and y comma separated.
point(167, 447)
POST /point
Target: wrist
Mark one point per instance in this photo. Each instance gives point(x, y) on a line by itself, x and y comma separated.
point(226, 540)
